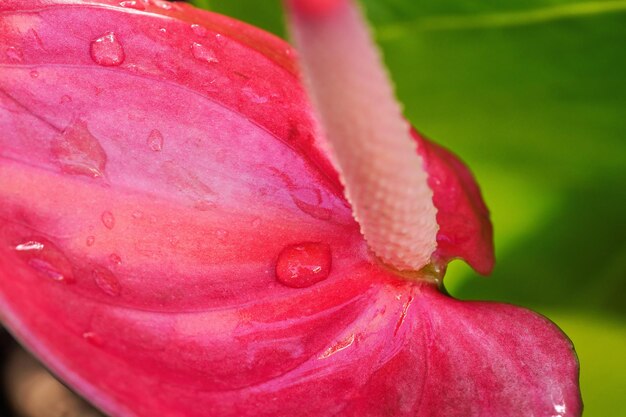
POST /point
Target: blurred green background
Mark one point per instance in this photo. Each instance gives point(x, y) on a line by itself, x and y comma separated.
point(532, 94)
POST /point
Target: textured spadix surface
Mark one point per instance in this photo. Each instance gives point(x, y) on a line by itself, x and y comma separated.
point(156, 164)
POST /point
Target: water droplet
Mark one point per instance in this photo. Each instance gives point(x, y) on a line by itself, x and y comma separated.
point(14, 54)
point(30, 246)
point(34, 74)
point(163, 31)
point(338, 347)
point(46, 258)
point(115, 259)
point(66, 99)
point(106, 281)
point(203, 53)
point(304, 264)
point(155, 141)
point(133, 4)
point(256, 222)
point(93, 338)
point(107, 51)
point(79, 152)
point(108, 220)
point(137, 214)
point(162, 4)
point(199, 30)
point(90, 240)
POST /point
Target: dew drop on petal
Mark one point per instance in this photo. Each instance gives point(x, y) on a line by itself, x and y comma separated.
point(90, 240)
point(338, 347)
point(107, 51)
point(79, 152)
point(137, 214)
point(304, 264)
point(93, 338)
point(115, 259)
point(133, 4)
point(203, 53)
point(155, 141)
point(106, 281)
point(46, 258)
point(199, 30)
point(256, 222)
point(162, 4)
point(108, 220)
point(66, 99)
point(34, 74)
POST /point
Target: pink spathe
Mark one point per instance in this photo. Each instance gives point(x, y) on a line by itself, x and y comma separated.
point(151, 287)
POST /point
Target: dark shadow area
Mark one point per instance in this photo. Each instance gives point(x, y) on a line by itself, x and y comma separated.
point(7, 345)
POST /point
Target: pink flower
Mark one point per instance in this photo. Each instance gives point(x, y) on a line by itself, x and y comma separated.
point(175, 240)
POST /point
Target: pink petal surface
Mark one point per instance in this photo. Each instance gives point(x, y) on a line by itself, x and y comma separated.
point(152, 175)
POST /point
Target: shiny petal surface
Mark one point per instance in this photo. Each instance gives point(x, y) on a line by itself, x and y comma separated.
point(155, 162)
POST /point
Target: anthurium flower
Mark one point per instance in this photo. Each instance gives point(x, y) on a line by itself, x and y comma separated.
point(181, 234)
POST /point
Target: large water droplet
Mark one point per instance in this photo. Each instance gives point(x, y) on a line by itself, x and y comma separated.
point(79, 152)
point(34, 74)
point(304, 264)
point(155, 141)
point(107, 50)
point(108, 220)
point(90, 240)
point(46, 258)
point(203, 53)
point(133, 4)
point(106, 281)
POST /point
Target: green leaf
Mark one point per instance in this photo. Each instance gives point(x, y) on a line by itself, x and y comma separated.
point(532, 94)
